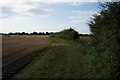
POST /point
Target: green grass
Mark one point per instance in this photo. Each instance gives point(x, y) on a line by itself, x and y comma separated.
point(58, 40)
point(68, 61)
point(78, 60)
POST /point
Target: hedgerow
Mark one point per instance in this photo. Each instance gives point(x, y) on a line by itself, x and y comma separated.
point(69, 34)
point(105, 29)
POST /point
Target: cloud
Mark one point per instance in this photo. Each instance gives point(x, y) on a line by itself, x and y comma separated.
point(41, 12)
point(85, 12)
point(23, 10)
point(75, 17)
point(77, 21)
point(82, 16)
point(4, 1)
point(76, 3)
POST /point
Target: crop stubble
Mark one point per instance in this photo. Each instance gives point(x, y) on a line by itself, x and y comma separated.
point(19, 51)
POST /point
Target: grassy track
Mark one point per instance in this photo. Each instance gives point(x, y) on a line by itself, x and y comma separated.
point(64, 59)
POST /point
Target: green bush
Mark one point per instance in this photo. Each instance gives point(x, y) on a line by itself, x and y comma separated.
point(69, 34)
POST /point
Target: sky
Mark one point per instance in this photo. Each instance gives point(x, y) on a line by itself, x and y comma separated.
point(46, 16)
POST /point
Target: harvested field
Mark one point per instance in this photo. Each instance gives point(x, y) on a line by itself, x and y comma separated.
point(19, 51)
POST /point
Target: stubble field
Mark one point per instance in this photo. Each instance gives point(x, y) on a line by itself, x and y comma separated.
point(17, 51)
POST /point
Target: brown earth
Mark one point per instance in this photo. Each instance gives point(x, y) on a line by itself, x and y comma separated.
point(18, 50)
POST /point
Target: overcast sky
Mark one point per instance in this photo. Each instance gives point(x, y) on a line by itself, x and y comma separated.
point(46, 16)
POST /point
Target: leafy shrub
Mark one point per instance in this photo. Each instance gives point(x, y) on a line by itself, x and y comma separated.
point(69, 34)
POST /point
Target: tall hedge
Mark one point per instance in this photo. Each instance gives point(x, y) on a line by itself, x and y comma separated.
point(105, 28)
point(69, 34)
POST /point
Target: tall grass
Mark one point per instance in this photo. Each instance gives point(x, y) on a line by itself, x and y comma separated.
point(101, 65)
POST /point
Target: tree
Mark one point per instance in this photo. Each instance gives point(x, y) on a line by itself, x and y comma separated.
point(40, 33)
point(23, 33)
point(10, 33)
point(47, 33)
point(35, 33)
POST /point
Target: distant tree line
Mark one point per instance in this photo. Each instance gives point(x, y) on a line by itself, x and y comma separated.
point(34, 33)
point(85, 34)
point(37, 33)
point(69, 34)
